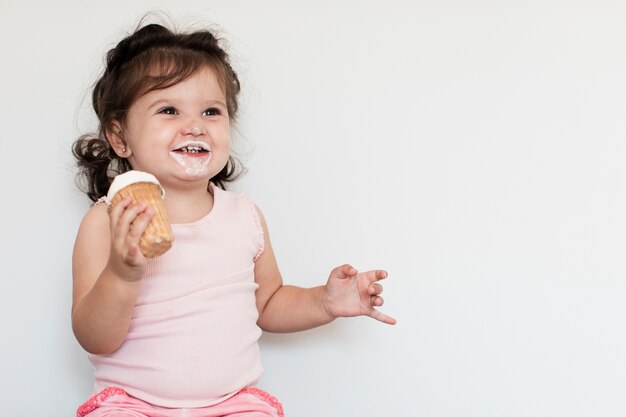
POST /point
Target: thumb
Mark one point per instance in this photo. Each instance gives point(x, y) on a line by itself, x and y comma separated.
point(376, 314)
point(343, 271)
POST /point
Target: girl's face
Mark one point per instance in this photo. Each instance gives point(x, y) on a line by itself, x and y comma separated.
point(180, 133)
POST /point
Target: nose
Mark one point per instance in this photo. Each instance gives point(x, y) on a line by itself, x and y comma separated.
point(194, 130)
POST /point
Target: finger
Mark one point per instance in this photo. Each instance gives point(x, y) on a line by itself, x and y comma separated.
point(375, 289)
point(343, 271)
point(116, 211)
point(134, 256)
point(375, 275)
point(133, 250)
point(380, 274)
point(122, 238)
point(375, 314)
point(129, 216)
point(139, 225)
point(116, 217)
point(376, 301)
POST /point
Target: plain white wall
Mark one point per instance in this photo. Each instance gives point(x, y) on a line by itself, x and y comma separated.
point(473, 149)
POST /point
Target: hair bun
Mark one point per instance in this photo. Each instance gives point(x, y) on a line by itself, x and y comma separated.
point(150, 36)
point(202, 41)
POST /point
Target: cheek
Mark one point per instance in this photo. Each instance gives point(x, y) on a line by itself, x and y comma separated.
point(225, 140)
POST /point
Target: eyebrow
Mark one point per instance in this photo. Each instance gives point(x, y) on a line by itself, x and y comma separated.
point(175, 102)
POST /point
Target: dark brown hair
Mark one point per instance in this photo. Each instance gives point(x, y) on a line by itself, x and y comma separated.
point(151, 58)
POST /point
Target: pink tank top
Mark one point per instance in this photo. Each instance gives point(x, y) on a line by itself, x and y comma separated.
point(193, 335)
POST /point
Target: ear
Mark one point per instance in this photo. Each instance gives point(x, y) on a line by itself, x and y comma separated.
point(115, 135)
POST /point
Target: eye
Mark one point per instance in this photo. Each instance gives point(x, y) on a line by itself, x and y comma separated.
point(212, 111)
point(168, 110)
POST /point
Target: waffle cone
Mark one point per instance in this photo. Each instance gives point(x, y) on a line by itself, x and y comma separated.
point(158, 236)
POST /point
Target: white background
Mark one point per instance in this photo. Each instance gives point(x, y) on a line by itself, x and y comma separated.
point(475, 150)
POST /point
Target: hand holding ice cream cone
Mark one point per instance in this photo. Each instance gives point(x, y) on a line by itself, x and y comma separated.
point(141, 186)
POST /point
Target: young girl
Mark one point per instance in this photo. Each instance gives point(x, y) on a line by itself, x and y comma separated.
point(177, 334)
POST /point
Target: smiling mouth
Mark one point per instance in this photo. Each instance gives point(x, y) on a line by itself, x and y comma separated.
point(193, 156)
point(192, 148)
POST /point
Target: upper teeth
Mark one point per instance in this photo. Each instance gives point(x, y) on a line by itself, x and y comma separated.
point(193, 146)
point(192, 149)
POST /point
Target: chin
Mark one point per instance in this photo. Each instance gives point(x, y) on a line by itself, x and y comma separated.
point(197, 174)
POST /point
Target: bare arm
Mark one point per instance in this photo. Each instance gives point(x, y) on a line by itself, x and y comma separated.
point(287, 308)
point(107, 266)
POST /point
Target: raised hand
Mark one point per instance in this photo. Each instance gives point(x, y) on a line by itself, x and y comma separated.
point(351, 293)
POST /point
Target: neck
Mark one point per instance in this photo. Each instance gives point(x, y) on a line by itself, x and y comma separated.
point(187, 205)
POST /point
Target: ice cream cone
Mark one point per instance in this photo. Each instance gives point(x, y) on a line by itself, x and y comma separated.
point(140, 186)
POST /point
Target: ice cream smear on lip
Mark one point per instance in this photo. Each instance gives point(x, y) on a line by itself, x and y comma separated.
point(193, 156)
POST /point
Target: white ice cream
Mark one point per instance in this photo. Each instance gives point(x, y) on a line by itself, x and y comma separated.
point(194, 165)
point(123, 180)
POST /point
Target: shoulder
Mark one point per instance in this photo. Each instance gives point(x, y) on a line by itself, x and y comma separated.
point(91, 250)
point(227, 195)
point(94, 227)
point(96, 217)
point(239, 206)
point(233, 199)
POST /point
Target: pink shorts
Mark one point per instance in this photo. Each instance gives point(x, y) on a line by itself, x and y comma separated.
point(115, 402)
